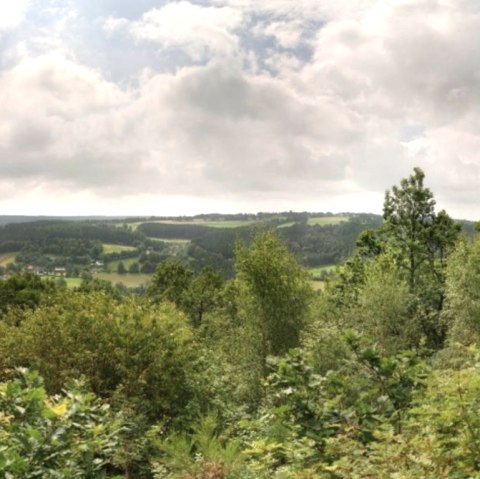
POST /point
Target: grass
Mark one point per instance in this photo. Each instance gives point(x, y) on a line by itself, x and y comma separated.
point(116, 248)
point(208, 223)
point(286, 225)
point(227, 223)
point(127, 262)
point(7, 258)
point(129, 280)
point(318, 270)
point(171, 240)
point(327, 220)
point(318, 285)
point(72, 282)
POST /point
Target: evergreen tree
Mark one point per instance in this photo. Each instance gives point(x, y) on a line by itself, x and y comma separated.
point(420, 240)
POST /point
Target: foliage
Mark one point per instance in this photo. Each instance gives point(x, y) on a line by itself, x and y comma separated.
point(420, 241)
point(69, 435)
point(203, 294)
point(255, 377)
point(462, 303)
point(439, 437)
point(387, 384)
point(25, 291)
point(125, 349)
point(170, 281)
point(194, 294)
point(294, 420)
point(203, 454)
point(414, 242)
point(280, 291)
point(383, 308)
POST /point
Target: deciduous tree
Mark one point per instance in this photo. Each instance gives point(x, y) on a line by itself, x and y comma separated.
point(279, 289)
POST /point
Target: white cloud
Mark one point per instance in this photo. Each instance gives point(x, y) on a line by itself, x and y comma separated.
point(12, 13)
point(198, 30)
point(389, 85)
point(58, 118)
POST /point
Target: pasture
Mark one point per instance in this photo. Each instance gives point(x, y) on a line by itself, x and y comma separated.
point(318, 285)
point(317, 271)
point(127, 262)
point(171, 240)
point(116, 248)
point(129, 280)
point(72, 282)
point(207, 223)
point(7, 258)
point(326, 220)
point(227, 223)
point(286, 225)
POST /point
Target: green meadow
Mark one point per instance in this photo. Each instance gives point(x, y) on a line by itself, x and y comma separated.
point(72, 282)
point(207, 223)
point(129, 280)
point(127, 262)
point(116, 248)
point(7, 258)
point(326, 220)
point(171, 240)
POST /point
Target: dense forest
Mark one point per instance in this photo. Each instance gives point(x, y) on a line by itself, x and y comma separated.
point(229, 365)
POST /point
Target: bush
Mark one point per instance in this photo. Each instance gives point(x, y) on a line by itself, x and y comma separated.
point(69, 435)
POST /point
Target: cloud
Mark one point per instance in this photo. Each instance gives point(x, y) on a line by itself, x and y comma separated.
point(205, 129)
point(12, 14)
point(313, 103)
point(200, 31)
point(59, 130)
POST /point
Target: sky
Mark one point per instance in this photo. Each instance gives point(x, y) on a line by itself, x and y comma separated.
point(121, 107)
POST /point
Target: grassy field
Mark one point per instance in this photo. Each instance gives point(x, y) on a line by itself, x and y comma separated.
point(210, 224)
point(318, 285)
point(227, 223)
point(171, 240)
point(129, 280)
point(317, 271)
point(116, 248)
point(73, 282)
point(327, 220)
point(7, 258)
point(127, 262)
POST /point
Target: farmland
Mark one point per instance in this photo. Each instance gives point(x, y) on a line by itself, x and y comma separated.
point(7, 258)
point(327, 220)
point(200, 222)
point(98, 246)
point(116, 248)
point(212, 223)
point(129, 280)
point(179, 241)
point(127, 262)
point(73, 282)
point(318, 271)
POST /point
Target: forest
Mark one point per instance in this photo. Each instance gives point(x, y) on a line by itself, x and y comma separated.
point(238, 368)
point(84, 247)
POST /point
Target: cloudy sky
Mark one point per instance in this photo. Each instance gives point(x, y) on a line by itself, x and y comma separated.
point(183, 107)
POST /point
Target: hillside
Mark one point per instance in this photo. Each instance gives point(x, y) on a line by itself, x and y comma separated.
point(83, 246)
point(128, 250)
